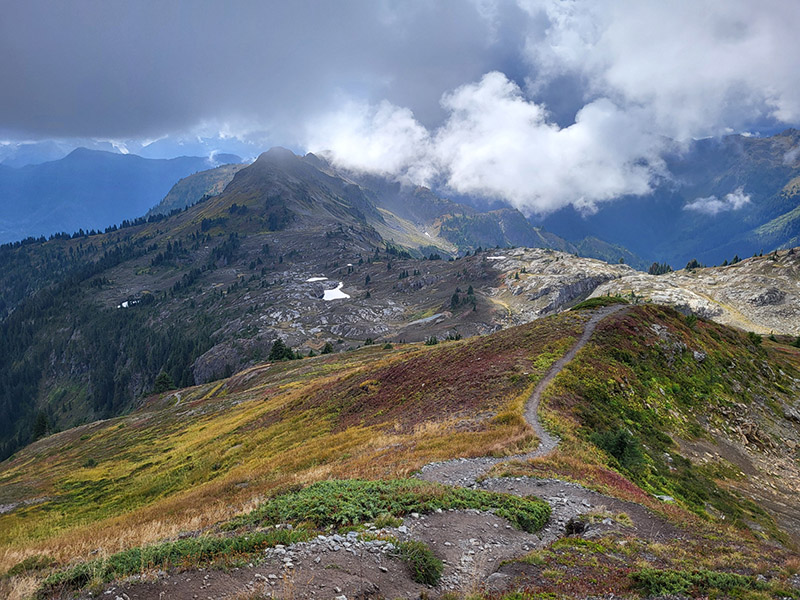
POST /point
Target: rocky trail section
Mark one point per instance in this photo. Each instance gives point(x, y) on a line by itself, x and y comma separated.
point(567, 500)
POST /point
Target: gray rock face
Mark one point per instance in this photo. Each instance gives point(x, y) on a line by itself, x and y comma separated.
point(767, 297)
point(791, 413)
point(538, 282)
point(760, 294)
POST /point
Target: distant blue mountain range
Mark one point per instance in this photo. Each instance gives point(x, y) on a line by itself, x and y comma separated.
point(736, 195)
point(87, 189)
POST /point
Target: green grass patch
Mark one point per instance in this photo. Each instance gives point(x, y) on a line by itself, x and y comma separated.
point(600, 301)
point(425, 567)
point(661, 582)
point(352, 501)
point(387, 520)
point(31, 564)
point(188, 552)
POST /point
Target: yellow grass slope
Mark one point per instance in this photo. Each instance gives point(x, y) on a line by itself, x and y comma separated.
point(197, 456)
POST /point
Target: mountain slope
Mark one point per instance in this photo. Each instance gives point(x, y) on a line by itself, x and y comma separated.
point(370, 412)
point(707, 406)
point(468, 228)
point(287, 251)
point(498, 228)
point(702, 443)
point(190, 190)
point(207, 291)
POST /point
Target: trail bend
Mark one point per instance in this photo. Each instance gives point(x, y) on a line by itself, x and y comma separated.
point(466, 471)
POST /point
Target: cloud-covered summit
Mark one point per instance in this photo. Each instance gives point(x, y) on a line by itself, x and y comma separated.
point(542, 103)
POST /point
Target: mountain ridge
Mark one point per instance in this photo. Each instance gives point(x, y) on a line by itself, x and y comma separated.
point(240, 270)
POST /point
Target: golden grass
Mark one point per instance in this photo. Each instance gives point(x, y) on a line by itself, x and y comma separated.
point(21, 587)
point(189, 466)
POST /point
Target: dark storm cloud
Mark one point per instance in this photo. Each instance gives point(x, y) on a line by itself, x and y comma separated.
point(542, 103)
point(136, 69)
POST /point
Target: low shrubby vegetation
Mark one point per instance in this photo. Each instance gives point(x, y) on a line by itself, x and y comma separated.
point(324, 445)
point(646, 379)
point(629, 566)
point(425, 567)
point(189, 460)
point(663, 582)
point(353, 502)
point(190, 552)
point(320, 506)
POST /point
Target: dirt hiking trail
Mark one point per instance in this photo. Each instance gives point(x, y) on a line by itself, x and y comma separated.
point(466, 471)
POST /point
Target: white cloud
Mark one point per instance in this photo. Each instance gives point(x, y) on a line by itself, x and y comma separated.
point(791, 156)
point(496, 143)
point(712, 205)
point(651, 76)
point(604, 83)
point(385, 139)
point(698, 68)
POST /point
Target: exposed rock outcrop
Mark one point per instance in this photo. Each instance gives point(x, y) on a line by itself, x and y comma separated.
point(760, 294)
point(539, 282)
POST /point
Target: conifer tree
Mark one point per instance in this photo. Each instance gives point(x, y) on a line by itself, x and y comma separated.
point(163, 383)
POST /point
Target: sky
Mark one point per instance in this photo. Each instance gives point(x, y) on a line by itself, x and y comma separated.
point(539, 103)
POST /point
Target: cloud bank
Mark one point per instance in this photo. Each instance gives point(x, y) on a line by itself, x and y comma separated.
point(542, 103)
point(648, 77)
point(495, 143)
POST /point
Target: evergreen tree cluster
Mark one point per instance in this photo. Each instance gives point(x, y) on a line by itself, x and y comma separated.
point(460, 299)
point(280, 351)
point(694, 264)
point(659, 269)
point(122, 351)
point(734, 260)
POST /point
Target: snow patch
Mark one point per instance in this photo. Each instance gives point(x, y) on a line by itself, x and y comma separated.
point(496, 257)
point(313, 279)
point(336, 294)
